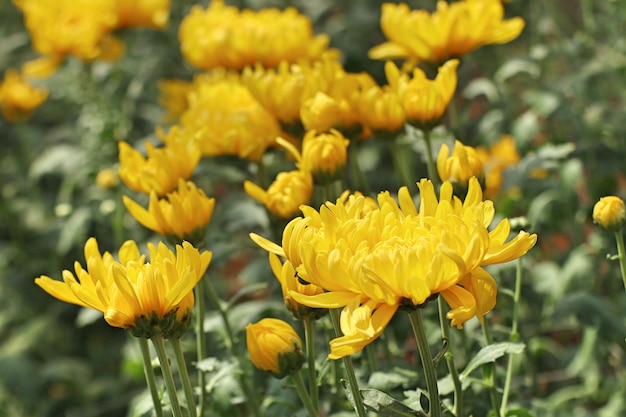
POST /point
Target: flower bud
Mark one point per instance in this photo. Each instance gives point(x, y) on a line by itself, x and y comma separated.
point(610, 213)
point(274, 346)
point(324, 155)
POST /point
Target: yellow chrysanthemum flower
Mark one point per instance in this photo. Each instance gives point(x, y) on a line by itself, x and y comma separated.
point(274, 346)
point(451, 31)
point(226, 119)
point(184, 214)
point(143, 13)
point(19, 98)
point(160, 170)
point(148, 298)
point(324, 155)
point(286, 194)
point(463, 164)
point(223, 36)
point(500, 156)
point(424, 101)
point(381, 112)
point(321, 112)
point(372, 261)
point(610, 213)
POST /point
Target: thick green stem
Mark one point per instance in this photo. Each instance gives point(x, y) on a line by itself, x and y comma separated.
point(621, 253)
point(200, 344)
point(449, 355)
point(489, 373)
point(349, 367)
point(159, 346)
point(309, 340)
point(400, 163)
point(150, 378)
point(514, 336)
point(306, 400)
point(430, 162)
point(417, 324)
point(359, 182)
point(184, 376)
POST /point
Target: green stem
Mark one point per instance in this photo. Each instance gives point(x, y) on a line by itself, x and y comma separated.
point(150, 378)
point(358, 177)
point(430, 162)
point(309, 340)
point(417, 324)
point(349, 367)
point(200, 345)
point(159, 346)
point(306, 400)
point(400, 162)
point(184, 376)
point(449, 355)
point(621, 252)
point(489, 373)
point(514, 336)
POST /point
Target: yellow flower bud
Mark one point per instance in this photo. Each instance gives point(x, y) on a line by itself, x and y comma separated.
point(321, 112)
point(286, 194)
point(610, 213)
point(324, 155)
point(463, 164)
point(274, 346)
point(107, 178)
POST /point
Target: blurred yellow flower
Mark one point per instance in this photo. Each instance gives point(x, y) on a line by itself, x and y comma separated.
point(451, 31)
point(321, 112)
point(148, 298)
point(162, 168)
point(463, 164)
point(324, 155)
point(380, 111)
point(226, 119)
point(424, 101)
point(107, 178)
point(274, 346)
point(286, 194)
point(610, 213)
point(372, 261)
point(184, 214)
point(500, 156)
point(143, 13)
point(19, 98)
point(223, 36)
point(173, 97)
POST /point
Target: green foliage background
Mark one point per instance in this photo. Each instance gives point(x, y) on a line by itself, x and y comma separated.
point(560, 89)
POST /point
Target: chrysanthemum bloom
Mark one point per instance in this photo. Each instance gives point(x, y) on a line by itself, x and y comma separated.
point(80, 28)
point(424, 101)
point(286, 194)
point(320, 112)
point(324, 155)
point(610, 213)
point(143, 13)
point(286, 275)
point(223, 36)
point(380, 111)
point(463, 164)
point(19, 98)
point(274, 346)
point(500, 156)
point(183, 215)
point(373, 261)
point(148, 298)
point(451, 31)
point(227, 120)
point(160, 170)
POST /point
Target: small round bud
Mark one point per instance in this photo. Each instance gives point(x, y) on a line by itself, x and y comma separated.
point(610, 213)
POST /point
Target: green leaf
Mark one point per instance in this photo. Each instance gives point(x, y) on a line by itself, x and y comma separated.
point(518, 412)
point(381, 403)
point(490, 354)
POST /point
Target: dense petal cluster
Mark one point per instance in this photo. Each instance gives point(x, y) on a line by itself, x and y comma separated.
point(610, 213)
point(452, 30)
point(224, 36)
point(149, 298)
point(324, 154)
point(463, 164)
point(18, 97)
point(184, 214)
point(286, 194)
point(274, 346)
point(372, 261)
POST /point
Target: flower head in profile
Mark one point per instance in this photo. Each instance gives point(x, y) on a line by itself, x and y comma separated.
point(274, 346)
point(149, 298)
point(610, 213)
point(183, 215)
point(224, 36)
point(286, 194)
point(381, 112)
point(463, 164)
point(324, 155)
point(18, 97)
point(424, 101)
point(160, 170)
point(451, 31)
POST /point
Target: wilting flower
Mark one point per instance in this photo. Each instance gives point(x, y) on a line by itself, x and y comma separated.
point(324, 154)
point(223, 36)
point(19, 98)
point(424, 101)
point(610, 213)
point(227, 120)
point(149, 298)
point(286, 194)
point(451, 31)
point(500, 156)
point(274, 346)
point(143, 13)
point(184, 214)
point(463, 164)
point(372, 261)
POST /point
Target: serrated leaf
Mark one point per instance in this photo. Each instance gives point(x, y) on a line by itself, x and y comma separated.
point(490, 354)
